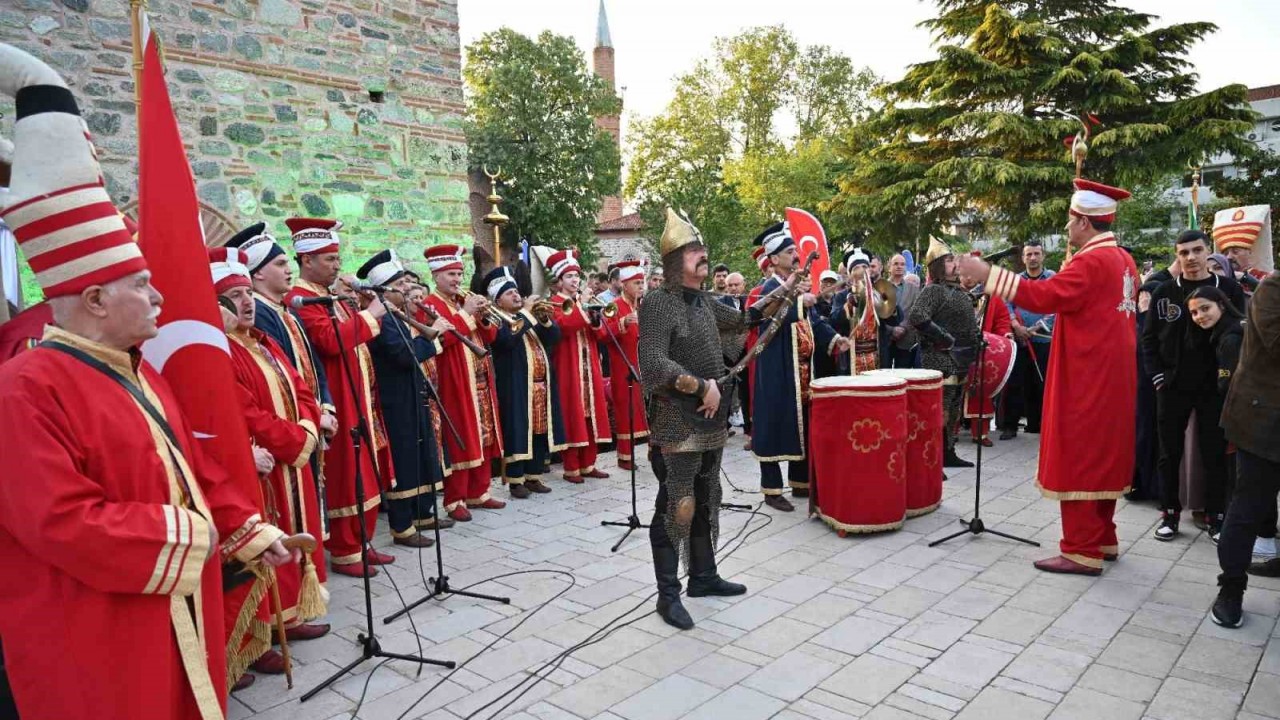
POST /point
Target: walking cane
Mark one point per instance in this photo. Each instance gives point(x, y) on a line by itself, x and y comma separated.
point(279, 613)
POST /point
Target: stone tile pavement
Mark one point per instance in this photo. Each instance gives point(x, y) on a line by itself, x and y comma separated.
point(879, 627)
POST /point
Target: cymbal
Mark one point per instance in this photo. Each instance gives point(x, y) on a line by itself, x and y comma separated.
point(888, 298)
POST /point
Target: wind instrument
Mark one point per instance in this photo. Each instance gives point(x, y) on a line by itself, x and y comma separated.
point(477, 348)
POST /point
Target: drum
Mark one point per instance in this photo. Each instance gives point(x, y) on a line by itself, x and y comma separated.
point(989, 378)
point(924, 437)
point(858, 435)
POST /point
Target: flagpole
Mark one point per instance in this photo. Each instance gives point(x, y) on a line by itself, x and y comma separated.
point(136, 8)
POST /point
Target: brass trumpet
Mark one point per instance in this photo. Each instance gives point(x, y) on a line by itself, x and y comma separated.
point(547, 305)
point(491, 314)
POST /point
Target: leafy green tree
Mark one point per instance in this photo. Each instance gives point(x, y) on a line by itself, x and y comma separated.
point(1257, 182)
point(975, 135)
point(747, 133)
point(531, 111)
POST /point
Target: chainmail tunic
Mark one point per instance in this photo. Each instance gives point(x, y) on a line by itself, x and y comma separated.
point(952, 310)
point(680, 335)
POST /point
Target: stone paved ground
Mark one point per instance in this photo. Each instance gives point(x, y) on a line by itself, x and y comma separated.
point(878, 627)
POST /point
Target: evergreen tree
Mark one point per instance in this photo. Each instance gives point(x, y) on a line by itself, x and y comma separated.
point(974, 137)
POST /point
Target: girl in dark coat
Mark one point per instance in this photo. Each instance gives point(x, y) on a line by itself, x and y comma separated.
point(1221, 322)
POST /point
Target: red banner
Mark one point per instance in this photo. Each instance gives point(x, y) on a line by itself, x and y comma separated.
point(808, 235)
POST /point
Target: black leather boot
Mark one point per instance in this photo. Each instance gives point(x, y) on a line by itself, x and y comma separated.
point(666, 570)
point(703, 578)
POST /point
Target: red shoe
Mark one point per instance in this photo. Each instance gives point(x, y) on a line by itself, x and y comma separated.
point(460, 514)
point(355, 570)
point(625, 465)
point(304, 632)
point(377, 558)
point(271, 663)
point(1059, 564)
point(490, 504)
point(575, 479)
point(595, 473)
point(246, 680)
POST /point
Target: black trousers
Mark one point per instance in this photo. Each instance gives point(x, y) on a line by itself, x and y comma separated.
point(520, 470)
point(1024, 395)
point(771, 476)
point(1253, 506)
point(1173, 411)
point(900, 358)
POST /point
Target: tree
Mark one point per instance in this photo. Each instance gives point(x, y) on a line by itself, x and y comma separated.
point(747, 133)
point(531, 111)
point(1257, 182)
point(975, 134)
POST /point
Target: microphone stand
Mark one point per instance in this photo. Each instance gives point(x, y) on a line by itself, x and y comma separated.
point(975, 526)
point(632, 522)
point(438, 586)
point(369, 645)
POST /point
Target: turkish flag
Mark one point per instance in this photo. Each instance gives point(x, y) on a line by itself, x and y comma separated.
point(191, 349)
point(809, 236)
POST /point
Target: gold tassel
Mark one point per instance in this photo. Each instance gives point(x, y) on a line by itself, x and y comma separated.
point(313, 598)
point(242, 652)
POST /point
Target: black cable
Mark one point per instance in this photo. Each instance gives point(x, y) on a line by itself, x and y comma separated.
point(609, 628)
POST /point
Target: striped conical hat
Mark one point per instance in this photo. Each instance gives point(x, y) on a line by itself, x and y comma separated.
point(70, 232)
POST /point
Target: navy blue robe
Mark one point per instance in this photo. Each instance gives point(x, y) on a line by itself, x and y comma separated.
point(401, 392)
point(513, 372)
point(778, 421)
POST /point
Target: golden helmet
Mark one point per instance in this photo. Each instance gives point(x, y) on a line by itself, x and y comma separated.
point(678, 233)
point(937, 249)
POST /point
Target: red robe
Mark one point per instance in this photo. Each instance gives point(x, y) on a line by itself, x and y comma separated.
point(339, 460)
point(109, 607)
point(997, 322)
point(282, 416)
point(24, 330)
point(629, 339)
point(474, 414)
point(579, 378)
point(1086, 443)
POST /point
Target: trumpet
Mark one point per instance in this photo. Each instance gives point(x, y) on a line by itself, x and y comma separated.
point(548, 306)
point(491, 314)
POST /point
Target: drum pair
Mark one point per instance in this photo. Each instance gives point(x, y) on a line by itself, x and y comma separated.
point(876, 448)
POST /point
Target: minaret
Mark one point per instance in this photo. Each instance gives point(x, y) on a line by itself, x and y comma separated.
point(602, 64)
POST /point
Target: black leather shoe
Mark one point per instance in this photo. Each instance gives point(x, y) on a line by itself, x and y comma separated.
point(952, 460)
point(777, 502)
point(1270, 568)
point(1008, 434)
point(674, 614)
point(715, 587)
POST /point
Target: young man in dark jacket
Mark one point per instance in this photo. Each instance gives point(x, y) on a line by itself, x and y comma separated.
point(1182, 366)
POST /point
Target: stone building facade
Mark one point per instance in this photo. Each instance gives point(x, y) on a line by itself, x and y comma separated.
point(332, 108)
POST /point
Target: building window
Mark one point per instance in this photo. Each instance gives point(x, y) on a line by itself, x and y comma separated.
point(1275, 125)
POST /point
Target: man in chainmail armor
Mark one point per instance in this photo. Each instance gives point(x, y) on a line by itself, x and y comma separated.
point(943, 317)
point(681, 366)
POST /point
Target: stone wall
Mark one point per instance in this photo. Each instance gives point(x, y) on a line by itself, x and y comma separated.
point(278, 104)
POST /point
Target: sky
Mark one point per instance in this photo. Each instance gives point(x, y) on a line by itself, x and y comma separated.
point(656, 40)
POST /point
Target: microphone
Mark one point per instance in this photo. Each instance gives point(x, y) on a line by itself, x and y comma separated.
point(301, 302)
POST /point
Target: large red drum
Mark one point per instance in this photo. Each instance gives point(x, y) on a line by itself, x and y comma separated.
point(858, 435)
point(989, 378)
point(924, 437)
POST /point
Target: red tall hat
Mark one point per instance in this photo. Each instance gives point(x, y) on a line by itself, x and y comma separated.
point(314, 235)
point(444, 257)
point(1096, 201)
point(229, 267)
point(71, 234)
point(761, 258)
point(561, 262)
point(630, 270)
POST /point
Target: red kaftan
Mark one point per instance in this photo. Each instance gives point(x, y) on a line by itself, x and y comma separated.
point(109, 608)
point(356, 329)
point(282, 417)
point(997, 322)
point(1086, 444)
point(629, 418)
point(581, 382)
point(466, 387)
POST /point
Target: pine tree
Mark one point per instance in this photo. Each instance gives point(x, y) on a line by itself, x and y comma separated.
point(975, 136)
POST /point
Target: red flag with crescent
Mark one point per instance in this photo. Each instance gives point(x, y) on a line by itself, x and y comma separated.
point(808, 235)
